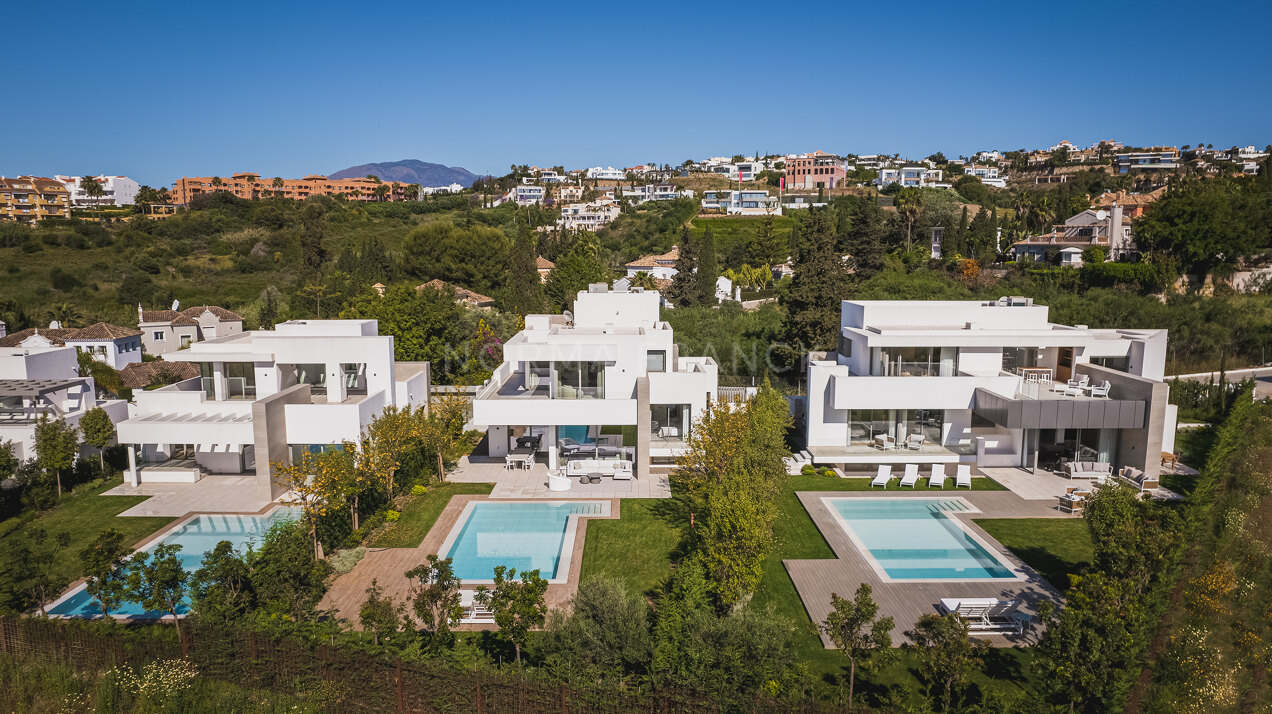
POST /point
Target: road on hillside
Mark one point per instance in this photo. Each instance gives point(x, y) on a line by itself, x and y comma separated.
point(1262, 379)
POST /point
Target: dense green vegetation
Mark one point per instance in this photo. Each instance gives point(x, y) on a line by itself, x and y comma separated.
point(420, 512)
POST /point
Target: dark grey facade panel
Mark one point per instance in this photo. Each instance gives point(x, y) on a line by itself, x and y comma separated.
point(1059, 413)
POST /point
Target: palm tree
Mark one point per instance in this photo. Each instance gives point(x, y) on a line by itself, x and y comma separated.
point(217, 182)
point(643, 279)
point(909, 203)
point(65, 313)
point(380, 191)
point(93, 189)
point(277, 183)
point(164, 195)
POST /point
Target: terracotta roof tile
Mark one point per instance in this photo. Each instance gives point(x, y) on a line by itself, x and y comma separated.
point(140, 375)
point(543, 263)
point(220, 312)
point(102, 331)
point(464, 294)
point(56, 336)
point(654, 261)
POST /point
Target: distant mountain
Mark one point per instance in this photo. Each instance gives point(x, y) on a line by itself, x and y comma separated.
point(411, 171)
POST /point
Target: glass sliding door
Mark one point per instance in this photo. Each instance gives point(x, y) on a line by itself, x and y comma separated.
point(580, 380)
point(865, 424)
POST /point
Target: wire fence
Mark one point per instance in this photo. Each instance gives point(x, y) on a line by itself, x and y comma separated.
point(357, 681)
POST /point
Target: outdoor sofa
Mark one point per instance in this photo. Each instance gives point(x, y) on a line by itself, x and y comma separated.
point(1097, 470)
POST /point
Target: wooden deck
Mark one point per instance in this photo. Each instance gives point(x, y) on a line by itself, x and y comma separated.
point(388, 566)
point(816, 580)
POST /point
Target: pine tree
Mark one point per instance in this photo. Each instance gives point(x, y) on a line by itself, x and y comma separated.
point(681, 292)
point(708, 270)
point(525, 290)
point(812, 316)
point(861, 230)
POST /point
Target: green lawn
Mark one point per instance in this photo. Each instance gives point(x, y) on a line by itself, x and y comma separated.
point(1055, 547)
point(636, 548)
point(84, 516)
point(420, 514)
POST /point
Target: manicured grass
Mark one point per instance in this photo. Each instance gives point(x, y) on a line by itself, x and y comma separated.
point(636, 548)
point(422, 512)
point(1055, 547)
point(84, 516)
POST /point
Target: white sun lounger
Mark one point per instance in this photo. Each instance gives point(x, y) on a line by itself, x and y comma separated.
point(986, 614)
point(963, 477)
point(882, 477)
point(911, 476)
point(937, 479)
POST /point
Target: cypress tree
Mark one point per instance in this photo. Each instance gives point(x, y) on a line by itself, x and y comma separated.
point(708, 270)
point(812, 314)
point(681, 292)
point(525, 290)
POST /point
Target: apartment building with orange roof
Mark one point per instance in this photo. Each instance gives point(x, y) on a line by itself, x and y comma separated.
point(27, 199)
point(251, 185)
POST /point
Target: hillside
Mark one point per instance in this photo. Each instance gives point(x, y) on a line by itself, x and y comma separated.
point(411, 171)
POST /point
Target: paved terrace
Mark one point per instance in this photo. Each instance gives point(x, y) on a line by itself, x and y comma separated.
point(533, 482)
point(905, 602)
point(387, 566)
point(210, 494)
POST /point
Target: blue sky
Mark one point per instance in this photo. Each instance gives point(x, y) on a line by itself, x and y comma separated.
point(161, 90)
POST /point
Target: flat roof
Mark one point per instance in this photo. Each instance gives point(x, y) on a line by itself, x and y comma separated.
point(35, 387)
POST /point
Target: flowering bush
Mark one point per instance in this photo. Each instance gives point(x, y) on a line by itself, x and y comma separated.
point(1203, 679)
point(158, 681)
point(1206, 594)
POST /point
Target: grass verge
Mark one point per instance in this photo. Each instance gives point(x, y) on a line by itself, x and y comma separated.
point(1055, 547)
point(84, 516)
point(418, 516)
point(636, 548)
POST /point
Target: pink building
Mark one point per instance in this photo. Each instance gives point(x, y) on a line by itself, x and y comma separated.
point(815, 170)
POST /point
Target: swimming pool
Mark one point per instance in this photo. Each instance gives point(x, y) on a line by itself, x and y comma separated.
point(520, 534)
point(196, 536)
point(915, 539)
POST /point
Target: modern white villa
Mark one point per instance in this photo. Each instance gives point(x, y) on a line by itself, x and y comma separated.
point(605, 383)
point(995, 384)
point(267, 396)
point(44, 381)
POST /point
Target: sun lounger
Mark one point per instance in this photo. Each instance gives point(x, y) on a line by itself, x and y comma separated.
point(883, 476)
point(937, 479)
point(911, 476)
point(963, 476)
point(986, 614)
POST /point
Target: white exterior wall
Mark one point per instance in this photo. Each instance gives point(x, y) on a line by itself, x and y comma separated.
point(38, 363)
point(116, 191)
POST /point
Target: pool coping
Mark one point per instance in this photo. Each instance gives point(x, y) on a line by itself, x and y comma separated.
point(143, 546)
point(564, 557)
point(970, 509)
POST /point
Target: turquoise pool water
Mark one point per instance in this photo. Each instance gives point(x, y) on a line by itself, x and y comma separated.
point(197, 536)
point(913, 539)
point(525, 536)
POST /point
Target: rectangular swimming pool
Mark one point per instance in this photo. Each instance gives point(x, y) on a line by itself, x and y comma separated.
point(520, 534)
point(196, 536)
point(915, 539)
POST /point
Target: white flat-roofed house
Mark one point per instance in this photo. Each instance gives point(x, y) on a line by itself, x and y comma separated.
point(916, 176)
point(527, 194)
point(986, 383)
point(116, 191)
point(749, 202)
point(40, 382)
point(588, 216)
point(656, 192)
point(266, 396)
point(550, 176)
point(609, 173)
point(1164, 158)
point(609, 383)
point(987, 174)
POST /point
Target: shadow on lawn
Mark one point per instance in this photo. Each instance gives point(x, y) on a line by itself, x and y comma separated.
point(1051, 567)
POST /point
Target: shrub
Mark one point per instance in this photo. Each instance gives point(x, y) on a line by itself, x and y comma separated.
point(808, 470)
point(418, 490)
point(342, 561)
point(391, 516)
point(32, 246)
point(828, 472)
point(62, 280)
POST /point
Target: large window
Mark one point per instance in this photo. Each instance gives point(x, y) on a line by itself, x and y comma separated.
point(240, 380)
point(1018, 358)
point(916, 361)
point(927, 422)
point(669, 420)
point(580, 380)
point(865, 424)
point(656, 361)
